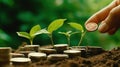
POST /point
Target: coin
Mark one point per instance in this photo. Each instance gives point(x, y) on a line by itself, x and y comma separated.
point(48, 50)
point(20, 60)
point(72, 53)
point(57, 57)
point(37, 56)
point(91, 26)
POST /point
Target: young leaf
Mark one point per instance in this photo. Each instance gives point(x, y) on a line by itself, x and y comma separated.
point(76, 26)
point(24, 34)
point(42, 31)
point(66, 33)
point(34, 30)
point(55, 25)
point(63, 33)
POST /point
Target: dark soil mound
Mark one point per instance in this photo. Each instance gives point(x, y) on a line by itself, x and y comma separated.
point(105, 59)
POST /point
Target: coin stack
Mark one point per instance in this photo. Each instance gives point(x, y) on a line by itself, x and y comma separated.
point(20, 62)
point(37, 56)
point(32, 48)
point(5, 55)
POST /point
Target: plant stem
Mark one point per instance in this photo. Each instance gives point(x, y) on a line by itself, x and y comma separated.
point(31, 41)
point(51, 39)
point(82, 35)
point(68, 39)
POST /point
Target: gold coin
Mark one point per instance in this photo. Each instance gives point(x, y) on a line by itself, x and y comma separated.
point(91, 26)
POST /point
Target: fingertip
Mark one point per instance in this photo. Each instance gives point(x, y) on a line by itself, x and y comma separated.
point(103, 27)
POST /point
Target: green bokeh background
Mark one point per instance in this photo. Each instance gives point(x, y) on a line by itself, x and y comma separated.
point(21, 15)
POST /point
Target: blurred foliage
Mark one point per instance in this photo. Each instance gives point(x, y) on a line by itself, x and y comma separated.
point(21, 15)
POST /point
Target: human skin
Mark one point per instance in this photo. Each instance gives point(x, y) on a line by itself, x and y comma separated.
point(108, 18)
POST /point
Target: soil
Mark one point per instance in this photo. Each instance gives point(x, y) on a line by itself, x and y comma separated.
point(104, 59)
point(91, 59)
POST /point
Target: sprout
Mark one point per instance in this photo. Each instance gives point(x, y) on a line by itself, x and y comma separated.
point(80, 28)
point(54, 26)
point(35, 30)
point(68, 35)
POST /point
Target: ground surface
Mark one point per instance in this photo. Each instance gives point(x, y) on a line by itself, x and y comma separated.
point(105, 59)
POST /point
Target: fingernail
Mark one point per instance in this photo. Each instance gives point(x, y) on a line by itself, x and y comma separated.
point(103, 27)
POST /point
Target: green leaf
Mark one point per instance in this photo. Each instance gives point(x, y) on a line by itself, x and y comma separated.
point(64, 33)
point(24, 34)
point(35, 29)
point(42, 31)
point(74, 33)
point(68, 33)
point(55, 25)
point(76, 26)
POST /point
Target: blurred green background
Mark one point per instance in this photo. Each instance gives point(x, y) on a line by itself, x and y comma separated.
point(21, 15)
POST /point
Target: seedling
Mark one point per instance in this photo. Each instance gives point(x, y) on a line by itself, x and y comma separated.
point(68, 35)
point(35, 30)
point(54, 26)
point(80, 28)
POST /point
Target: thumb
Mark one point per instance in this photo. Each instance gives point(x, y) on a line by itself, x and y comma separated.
point(101, 15)
point(111, 23)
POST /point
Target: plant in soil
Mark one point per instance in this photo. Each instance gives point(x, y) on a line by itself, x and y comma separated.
point(68, 35)
point(80, 28)
point(68, 58)
point(35, 30)
point(54, 25)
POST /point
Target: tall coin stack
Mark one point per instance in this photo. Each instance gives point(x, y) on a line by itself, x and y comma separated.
point(5, 55)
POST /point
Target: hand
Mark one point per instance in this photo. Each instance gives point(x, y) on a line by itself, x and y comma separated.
point(109, 18)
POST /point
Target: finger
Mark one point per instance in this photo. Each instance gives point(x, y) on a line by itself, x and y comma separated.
point(103, 27)
point(111, 21)
point(102, 14)
point(112, 31)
